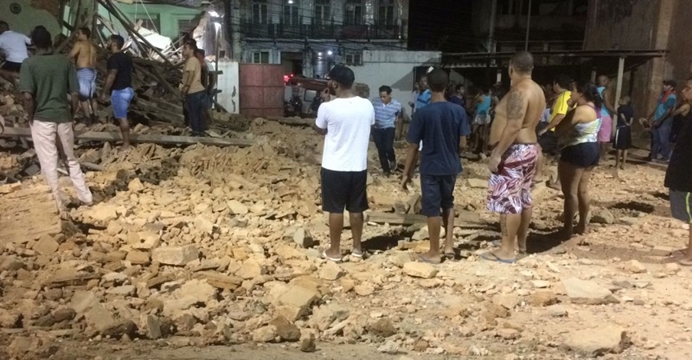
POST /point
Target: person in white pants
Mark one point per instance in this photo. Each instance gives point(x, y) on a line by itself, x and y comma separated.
point(45, 80)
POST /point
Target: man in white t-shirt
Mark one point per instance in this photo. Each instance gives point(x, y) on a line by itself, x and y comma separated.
point(346, 122)
point(13, 47)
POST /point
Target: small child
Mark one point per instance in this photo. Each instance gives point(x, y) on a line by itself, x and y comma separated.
point(623, 133)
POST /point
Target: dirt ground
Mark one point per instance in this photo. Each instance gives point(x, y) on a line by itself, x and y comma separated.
point(615, 293)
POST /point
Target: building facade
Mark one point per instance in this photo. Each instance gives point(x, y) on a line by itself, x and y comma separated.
point(553, 24)
point(644, 25)
point(308, 37)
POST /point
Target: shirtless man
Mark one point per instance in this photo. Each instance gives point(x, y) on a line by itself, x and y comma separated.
point(84, 54)
point(513, 160)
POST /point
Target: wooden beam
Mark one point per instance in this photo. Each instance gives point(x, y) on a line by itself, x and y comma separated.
point(466, 219)
point(137, 138)
point(618, 91)
point(128, 27)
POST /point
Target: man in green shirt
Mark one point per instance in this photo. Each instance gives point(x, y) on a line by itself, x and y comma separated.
point(45, 80)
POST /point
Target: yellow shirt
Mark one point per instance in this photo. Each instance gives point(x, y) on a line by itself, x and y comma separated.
point(560, 106)
point(192, 65)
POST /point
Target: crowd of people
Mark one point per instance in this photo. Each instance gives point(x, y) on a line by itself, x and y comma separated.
point(55, 87)
point(572, 121)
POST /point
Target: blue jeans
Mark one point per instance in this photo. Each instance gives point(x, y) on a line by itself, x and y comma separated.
point(195, 103)
point(120, 99)
point(661, 144)
point(384, 140)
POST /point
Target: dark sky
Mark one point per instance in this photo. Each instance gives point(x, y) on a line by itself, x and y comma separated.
point(441, 25)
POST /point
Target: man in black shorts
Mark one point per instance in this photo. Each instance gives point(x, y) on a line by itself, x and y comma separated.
point(679, 177)
point(346, 122)
point(442, 126)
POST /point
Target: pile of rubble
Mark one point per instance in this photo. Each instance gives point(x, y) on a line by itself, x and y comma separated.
point(204, 245)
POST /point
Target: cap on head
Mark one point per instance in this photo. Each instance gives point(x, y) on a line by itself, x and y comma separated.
point(522, 62)
point(343, 76)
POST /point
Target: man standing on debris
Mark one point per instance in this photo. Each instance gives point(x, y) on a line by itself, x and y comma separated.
point(84, 55)
point(513, 159)
point(679, 177)
point(119, 85)
point(346, 122)
point(46, 79)
point(192, 89)
point(387, 114)
point(208, 82)
point(13, 46)
point(442, 126)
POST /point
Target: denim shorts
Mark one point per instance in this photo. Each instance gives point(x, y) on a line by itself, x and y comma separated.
point(438, 193)
point(120, 99)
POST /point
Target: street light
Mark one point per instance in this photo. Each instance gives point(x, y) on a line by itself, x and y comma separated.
point(329, 53)
point(214, 14)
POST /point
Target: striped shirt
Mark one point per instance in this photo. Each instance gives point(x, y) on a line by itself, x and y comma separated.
point(386, 114)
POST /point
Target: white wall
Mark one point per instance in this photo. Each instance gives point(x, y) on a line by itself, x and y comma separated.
point(394, 69)
point(229, 84)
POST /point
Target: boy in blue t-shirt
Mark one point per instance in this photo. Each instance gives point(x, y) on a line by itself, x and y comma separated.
point(442, 127)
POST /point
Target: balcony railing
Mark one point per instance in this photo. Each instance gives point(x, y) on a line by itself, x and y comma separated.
point(322, 31)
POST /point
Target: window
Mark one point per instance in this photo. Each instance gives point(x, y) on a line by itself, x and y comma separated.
point(291, 13)
point(260, 57)
point(185, 28)
point(323, 12)
point(148, 23)
point(259, 12)
point(354, 12)
point(385, 15)
point(354, 59)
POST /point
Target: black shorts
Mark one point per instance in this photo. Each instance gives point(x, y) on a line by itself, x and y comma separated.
point(438, 193)
point(583, 155)
point(680, 202)
point(11, 66)
point(344, 189)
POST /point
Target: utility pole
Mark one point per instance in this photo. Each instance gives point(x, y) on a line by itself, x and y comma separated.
point(491, 39)
point(528, 26)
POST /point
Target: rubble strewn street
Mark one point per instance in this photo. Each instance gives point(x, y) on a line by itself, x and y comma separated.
point(190, 246)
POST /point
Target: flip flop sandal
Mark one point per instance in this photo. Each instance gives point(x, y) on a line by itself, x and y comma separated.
point(359, 255)
point(419, 258)
point(685, 262)
point(327, 257)
point(450, 256)
point(492, 257)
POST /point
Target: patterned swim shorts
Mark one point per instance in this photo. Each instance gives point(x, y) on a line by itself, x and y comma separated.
point(510, 188)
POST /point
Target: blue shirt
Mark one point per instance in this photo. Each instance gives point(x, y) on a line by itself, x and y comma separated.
point(604, 110)
point(423, 99)
point(386, 114)
point(440, 126)
point(663, 106)
point(483, 106)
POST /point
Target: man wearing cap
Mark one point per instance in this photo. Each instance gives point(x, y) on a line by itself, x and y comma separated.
point(345, 122)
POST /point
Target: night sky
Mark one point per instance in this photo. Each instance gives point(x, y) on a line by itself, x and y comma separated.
point(441, 25)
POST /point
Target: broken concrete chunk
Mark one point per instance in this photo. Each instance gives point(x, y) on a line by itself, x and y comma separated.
point(303, 238)
point(46, 245)
point(285, 329)
point(587, 292)
point(420, 270)
point(264, 334)
point(599, 341)
point(237, 208)
point(175, 256)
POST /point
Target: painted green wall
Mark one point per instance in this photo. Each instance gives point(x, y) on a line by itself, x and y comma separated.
point(168, 15)
point(28, 18)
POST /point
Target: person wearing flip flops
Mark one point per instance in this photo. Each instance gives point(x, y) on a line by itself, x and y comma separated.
point(442, 127)
point(513, 160)
point(679, 177)
point(346, 122)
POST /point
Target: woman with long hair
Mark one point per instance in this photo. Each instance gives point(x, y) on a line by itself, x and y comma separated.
point(580, 154)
